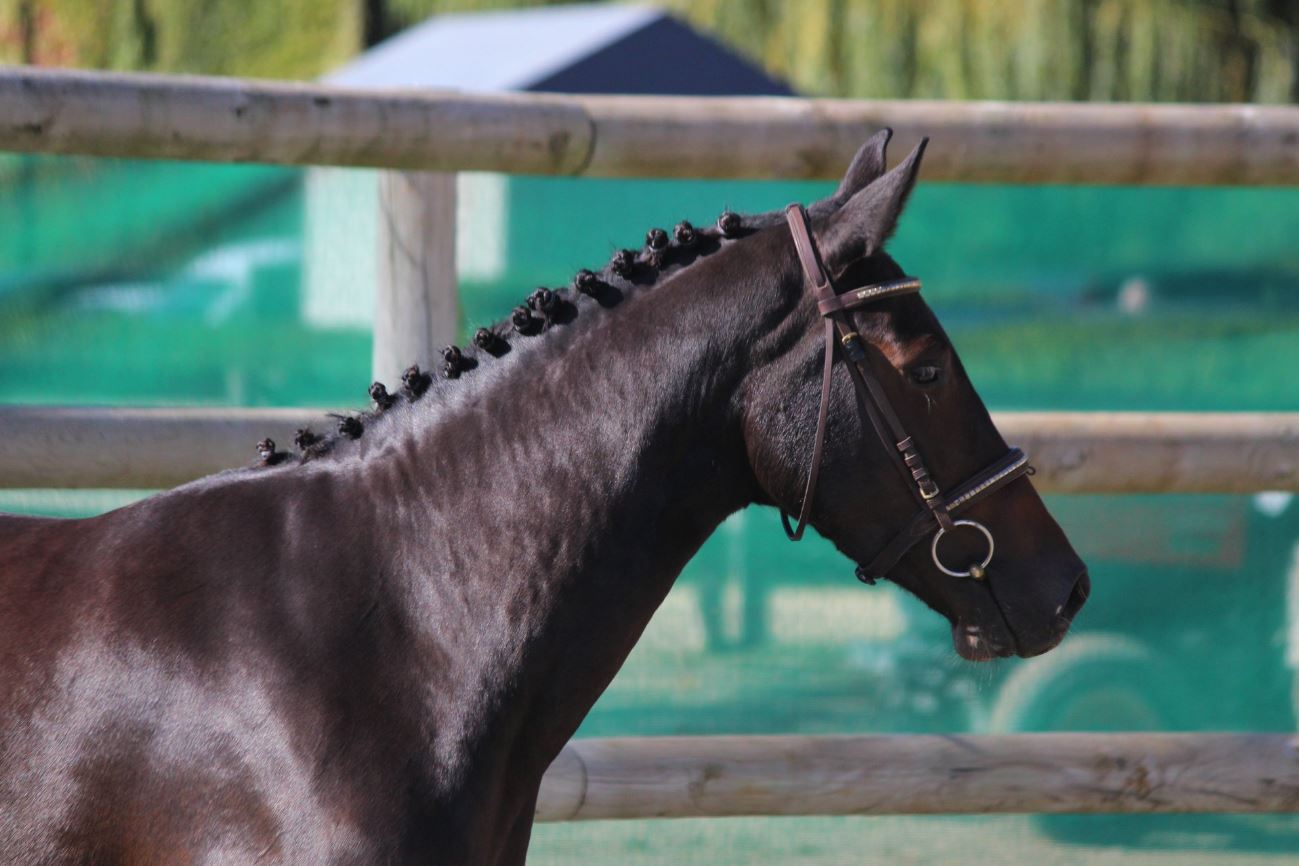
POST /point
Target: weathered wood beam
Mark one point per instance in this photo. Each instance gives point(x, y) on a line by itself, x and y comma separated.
point(73, 447)
point(235, 120)
point(1158, 452)
point(687, 777)
point(1074, 452)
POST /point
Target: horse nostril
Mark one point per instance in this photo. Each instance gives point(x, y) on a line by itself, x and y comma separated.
point(1077, 597)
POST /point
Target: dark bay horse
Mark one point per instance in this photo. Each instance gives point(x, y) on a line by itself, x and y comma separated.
point(369, 650)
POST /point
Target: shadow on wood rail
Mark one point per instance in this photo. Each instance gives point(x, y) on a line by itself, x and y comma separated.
point(1074, 452)
point(683, 777)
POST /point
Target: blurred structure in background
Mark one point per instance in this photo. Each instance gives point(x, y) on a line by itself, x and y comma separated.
point(502, 219)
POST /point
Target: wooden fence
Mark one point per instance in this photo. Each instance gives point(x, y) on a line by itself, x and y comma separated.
point(1102, 452)
point(232, 120)
point(426, 135)
point(695, 777)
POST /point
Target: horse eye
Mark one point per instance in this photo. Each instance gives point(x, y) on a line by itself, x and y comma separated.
point(926, 374)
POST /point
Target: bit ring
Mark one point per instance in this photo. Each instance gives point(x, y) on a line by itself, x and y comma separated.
point(975, 571)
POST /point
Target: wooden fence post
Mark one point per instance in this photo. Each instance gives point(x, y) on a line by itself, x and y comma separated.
point(416, 305)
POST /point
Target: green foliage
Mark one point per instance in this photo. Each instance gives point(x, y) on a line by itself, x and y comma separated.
point(1164, 50)
point(1186, 50)
point(280, 39)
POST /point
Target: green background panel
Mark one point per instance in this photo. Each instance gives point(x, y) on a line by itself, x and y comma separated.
point(137, 283)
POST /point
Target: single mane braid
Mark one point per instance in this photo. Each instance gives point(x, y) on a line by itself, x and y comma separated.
point(587, 283)
point(543, 300)
point(351, 427)
point(266, 450)
point(730, 224)
point(623, 263)
point(305, 438)
point(414, 382)
point(491, 342)
point(453, 361)
point(382, 399)
point(524, 322)
point(656, 247)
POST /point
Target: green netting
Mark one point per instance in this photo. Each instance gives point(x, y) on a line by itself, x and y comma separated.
point(190, 284)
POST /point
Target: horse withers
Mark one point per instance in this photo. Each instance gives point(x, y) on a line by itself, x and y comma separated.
point(369, 649)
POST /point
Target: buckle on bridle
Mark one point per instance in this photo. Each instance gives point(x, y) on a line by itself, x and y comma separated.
point(851, 343)
point(928, 489)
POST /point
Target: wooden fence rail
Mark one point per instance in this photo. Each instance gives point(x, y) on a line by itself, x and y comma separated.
point(56, 447)
point(683, 777)
point(233, 120)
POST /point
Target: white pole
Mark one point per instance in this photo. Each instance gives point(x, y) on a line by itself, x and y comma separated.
point(416, 306)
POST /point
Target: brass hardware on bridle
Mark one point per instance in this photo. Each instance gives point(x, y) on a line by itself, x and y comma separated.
point(936, 512)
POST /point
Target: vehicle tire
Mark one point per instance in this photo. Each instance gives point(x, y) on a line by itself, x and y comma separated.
point(1094, 682)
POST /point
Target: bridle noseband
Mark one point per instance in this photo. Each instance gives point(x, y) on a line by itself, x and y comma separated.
point(936, 509)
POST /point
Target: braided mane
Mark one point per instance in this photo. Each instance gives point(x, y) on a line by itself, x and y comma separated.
point(545, 309)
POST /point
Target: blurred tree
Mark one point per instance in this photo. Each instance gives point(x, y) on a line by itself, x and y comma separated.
point(262, 38)
point(1164, 50)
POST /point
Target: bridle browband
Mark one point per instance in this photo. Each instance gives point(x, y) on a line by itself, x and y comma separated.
point(936, 509)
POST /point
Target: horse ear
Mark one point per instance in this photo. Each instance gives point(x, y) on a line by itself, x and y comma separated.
point(866, 166)
point(860, 228)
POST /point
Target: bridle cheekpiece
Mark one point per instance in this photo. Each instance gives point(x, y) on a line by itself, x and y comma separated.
point(936, 509)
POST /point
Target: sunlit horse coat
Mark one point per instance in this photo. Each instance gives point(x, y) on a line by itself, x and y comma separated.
point(369, 651)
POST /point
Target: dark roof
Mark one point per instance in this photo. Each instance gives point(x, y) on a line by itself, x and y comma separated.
point(587, 48)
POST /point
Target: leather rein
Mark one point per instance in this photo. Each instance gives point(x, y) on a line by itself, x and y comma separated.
point(936, 509)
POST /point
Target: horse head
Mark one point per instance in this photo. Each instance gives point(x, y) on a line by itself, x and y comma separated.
point(913, 481)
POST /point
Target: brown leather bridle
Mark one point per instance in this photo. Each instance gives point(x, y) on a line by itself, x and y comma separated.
point(936, 509)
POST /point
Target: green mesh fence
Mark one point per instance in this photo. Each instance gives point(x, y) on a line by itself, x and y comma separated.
point(140, 283)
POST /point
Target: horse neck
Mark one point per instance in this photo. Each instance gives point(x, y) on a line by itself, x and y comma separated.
point(542, 519)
